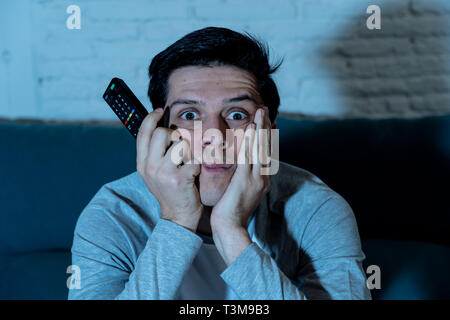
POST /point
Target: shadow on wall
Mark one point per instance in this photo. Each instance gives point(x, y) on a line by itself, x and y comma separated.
point(401, 70)
point(397, 169)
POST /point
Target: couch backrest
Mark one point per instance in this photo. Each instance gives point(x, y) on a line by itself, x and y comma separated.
point(49, 173)
point(394, 174)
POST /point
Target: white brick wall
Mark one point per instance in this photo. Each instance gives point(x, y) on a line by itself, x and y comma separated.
point(334, 66)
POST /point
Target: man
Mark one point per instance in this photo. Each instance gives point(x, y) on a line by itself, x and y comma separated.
point(187, 230)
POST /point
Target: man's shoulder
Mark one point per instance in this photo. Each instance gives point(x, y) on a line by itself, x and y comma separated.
point(292, 181)
point(125, 199)
point(118, 219)
point(299, 209)
point(296, 191)
point(130, 187)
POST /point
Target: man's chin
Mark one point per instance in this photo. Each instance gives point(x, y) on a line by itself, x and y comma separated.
point(209, 196)
point(210, 199)
point(213, 186)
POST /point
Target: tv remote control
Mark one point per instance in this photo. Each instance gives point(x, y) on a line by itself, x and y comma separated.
point(130, 111)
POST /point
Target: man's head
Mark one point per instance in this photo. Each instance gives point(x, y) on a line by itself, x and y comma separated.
point(219, 77)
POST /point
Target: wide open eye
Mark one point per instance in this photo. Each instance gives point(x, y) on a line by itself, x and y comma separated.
point(236, 115)
point(189, 115)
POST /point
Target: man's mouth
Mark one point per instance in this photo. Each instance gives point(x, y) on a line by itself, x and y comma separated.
point(216, 168)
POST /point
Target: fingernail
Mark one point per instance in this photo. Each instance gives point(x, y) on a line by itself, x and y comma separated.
point(260, 114)
point(159, 110)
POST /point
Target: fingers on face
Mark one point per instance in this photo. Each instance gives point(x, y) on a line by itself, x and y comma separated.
point(144, 136)
point(248, 151)
point(154, 146)
point(179, 152)
point(260, 147)
point(186, 165)
point(178, 156)
point(260, 152)
point(159, 143)
point(251, 144)
point(190, 170)
point(262, 118)
point(246, 148)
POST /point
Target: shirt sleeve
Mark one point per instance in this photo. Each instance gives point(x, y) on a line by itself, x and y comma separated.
point(330, 263)
point(101, 251)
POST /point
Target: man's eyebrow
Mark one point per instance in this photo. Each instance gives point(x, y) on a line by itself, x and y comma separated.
point(186, 101)
point(225, 101)
point(240, 98)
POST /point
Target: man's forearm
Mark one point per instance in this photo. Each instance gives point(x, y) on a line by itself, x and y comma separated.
point(158, 271)
point(231, 242)
point(165, 263)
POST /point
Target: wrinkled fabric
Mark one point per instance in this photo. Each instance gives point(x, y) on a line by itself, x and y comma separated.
point(305, 245)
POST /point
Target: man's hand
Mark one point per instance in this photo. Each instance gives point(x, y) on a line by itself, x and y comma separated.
point(172, 183)
point(230, 215)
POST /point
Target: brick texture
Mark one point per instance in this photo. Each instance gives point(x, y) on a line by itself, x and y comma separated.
point(333, 65)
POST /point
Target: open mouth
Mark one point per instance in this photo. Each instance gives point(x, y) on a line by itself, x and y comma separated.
point(216, 168)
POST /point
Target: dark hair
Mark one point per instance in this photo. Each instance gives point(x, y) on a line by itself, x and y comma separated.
point(215, 46)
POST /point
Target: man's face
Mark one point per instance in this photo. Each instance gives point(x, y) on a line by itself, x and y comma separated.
point(221, 97)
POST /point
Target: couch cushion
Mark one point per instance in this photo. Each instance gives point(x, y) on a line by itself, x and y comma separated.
point(409, 269)
point(38, 275)
point(49, 173)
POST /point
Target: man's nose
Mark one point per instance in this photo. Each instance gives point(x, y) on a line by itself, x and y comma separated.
point(214, 132)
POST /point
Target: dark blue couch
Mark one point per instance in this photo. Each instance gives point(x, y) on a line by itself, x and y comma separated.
point(394, 173)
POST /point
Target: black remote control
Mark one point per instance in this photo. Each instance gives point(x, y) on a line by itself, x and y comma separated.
point(127, 107)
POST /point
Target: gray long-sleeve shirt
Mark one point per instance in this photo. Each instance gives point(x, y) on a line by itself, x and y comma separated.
point(305, 245)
